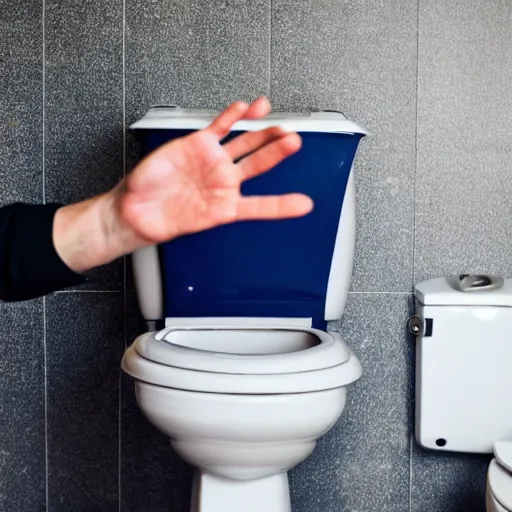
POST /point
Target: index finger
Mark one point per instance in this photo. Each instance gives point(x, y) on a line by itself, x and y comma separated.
point(223, 123)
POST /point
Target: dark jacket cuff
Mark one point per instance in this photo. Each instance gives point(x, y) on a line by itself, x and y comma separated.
point(33, 266)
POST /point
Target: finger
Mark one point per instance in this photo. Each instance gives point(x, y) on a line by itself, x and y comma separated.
point(274, 207)
point(238, 110)
point(259, 108)
point(269, 155)
point(248, 142)
point(222, 124)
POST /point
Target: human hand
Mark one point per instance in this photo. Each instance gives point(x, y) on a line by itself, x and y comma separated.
point(193, 183)
point(188, 185)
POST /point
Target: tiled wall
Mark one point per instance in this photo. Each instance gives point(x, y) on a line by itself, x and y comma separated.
point(432, 84)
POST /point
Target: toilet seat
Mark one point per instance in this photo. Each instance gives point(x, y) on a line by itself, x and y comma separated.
point(252, 350)
point(503, 454)
point(171, 358)
point(499, 475)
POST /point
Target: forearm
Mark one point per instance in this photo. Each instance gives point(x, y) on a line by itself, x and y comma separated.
point(91, 233)
point(45, 248)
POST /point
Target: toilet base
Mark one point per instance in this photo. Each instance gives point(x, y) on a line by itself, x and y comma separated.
point(216, 494)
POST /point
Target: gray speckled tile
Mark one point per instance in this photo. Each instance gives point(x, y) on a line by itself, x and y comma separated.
point(22, 443)
point(21, 114)
point(106, 278)
point(363, 463)
point(153, 477)
point(84, 106)
point(360, 57)
point(464, 184)
point(446, 482)
point(85, 338)
point(195, 54)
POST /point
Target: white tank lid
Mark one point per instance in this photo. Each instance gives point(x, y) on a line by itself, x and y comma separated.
point(465, 290)
point(171, 117)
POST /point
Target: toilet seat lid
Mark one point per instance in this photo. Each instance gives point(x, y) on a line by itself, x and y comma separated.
point(251, 350)
point(500, 482)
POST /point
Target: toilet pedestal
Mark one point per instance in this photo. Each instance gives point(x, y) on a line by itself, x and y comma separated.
point(216, 494)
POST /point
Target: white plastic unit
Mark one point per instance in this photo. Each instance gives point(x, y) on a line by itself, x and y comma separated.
point(172, 117)
point(499, 479)
point(464, 363)
point(465, 290)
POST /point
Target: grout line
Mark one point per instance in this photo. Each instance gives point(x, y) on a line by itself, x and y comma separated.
point(411, 440)
point(57, 292)
point(120, 381)
point(415, 175)
point(270, 52)
point(124, 86)
point(381, 293)
point(43, 172)
point(46, 468)
point(43, 146)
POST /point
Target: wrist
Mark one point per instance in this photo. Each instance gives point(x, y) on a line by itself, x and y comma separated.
point(91, 233)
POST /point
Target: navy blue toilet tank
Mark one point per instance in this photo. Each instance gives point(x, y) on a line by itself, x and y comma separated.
point(265, 268)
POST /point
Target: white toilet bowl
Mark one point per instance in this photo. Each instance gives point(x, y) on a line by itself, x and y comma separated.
point(499, 479)
point(242, 405)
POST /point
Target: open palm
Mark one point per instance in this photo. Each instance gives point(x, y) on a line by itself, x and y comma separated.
point(193, 183)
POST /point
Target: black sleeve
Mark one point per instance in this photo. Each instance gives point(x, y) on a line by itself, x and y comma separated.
point(29, 264)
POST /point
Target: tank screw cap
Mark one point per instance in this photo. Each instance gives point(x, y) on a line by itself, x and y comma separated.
point(415, 325)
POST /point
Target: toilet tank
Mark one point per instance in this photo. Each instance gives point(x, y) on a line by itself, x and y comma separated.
point(463, 362)
point(295, 268)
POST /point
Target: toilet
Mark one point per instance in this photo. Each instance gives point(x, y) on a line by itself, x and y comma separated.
point(238, 368)
point(463, 378)
point(499, 479)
